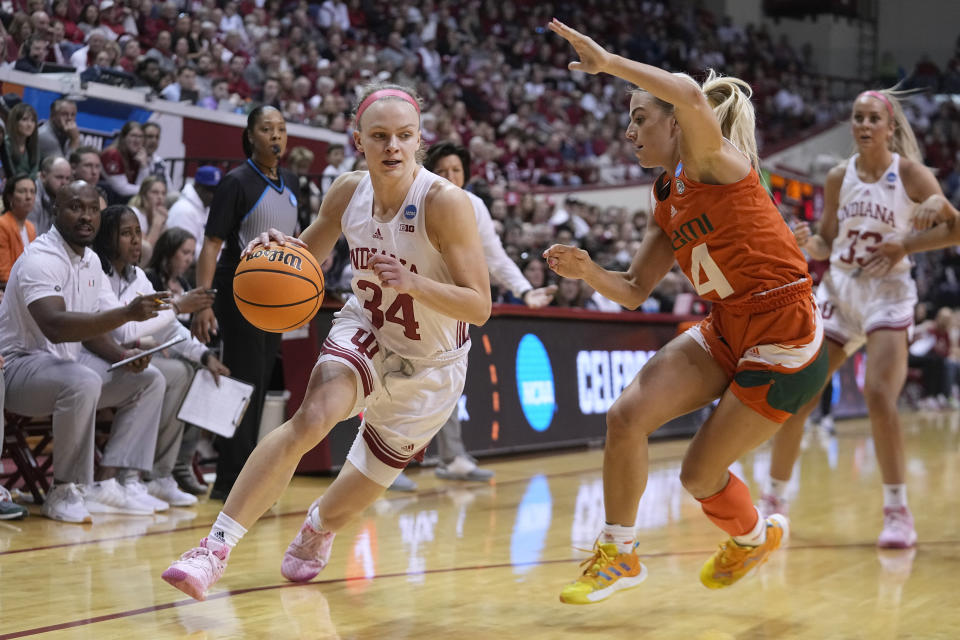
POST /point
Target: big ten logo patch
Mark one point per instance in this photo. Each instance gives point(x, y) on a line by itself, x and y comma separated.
point(409, 228)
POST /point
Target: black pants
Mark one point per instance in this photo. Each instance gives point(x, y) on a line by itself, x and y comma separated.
point(250, 354)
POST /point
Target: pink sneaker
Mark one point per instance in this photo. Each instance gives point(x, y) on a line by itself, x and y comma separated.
point(898, 531)
point(770, 504)
point(197, 570)
point(307, 555)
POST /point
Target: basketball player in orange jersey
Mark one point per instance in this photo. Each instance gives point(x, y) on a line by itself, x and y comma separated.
point(760, 349)
point(397, 350)
point(869, 299)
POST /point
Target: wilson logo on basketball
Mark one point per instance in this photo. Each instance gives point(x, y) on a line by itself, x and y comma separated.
point(278, 255)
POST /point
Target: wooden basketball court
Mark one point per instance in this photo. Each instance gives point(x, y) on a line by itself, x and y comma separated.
point(488, 561)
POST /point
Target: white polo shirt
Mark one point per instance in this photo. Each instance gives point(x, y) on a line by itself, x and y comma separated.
point(47, 267)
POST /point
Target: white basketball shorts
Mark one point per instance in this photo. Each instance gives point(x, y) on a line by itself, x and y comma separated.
point(404, 401)
point(853, 306)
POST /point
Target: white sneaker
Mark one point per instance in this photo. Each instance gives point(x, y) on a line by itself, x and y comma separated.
point(463, 468)
point(64, 503)
point(166, 489)
point(139, 492)
point(108, 496)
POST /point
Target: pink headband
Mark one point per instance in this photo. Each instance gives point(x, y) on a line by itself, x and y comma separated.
point(882, 98)
point(386, 93)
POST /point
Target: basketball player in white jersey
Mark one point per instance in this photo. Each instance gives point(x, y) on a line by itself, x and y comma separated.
point(872, 195)
point(397, 350)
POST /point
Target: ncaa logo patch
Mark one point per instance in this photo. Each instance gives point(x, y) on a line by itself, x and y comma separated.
point(680, 187)
point(410, 212)
point(891, 177)
point(535, 383)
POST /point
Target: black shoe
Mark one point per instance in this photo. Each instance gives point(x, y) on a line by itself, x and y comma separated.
point(218, 493)
point(187, 481)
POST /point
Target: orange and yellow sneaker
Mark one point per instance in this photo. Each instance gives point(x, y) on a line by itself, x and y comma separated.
point(733, 561)
point(607, 571)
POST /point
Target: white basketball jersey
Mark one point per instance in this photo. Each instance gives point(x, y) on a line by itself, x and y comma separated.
point(401, 324)
point(866, 213)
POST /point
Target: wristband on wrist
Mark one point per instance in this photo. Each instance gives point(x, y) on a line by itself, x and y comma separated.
point(205, 358)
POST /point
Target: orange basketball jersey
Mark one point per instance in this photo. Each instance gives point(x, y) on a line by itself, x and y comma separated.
point(731, 243)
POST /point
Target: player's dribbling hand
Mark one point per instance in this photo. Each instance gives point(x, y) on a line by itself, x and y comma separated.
point(392, 274)
point(272, 235)
point(536, 298)
point(884, 256)
point(593, 57)
point(566, 261)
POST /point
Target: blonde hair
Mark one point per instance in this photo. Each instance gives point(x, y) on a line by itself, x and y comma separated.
point(729, 97)
point(903, 140)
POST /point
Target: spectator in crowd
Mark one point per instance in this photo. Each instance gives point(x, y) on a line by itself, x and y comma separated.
point(191, 209)
point(59, 135)
point(335, 167)
point(51, 306)
point(220, 98)
point(85, 164)
point(89, 19)
point(570, 294)
point(300, 161)
point(150, 206)
point(34, 54)
point(156, 165)
point(16, 232)
point(171, 259)
point(118, 245)
point(162, 52)
point(18, 33)
point(256, 196)
point(185, 88)
point(125, 163)
point(86, 56)
point(20, 153)
point(55, 173)
point(148, 74)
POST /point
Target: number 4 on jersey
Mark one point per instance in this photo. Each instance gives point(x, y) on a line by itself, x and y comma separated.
point(700, 260)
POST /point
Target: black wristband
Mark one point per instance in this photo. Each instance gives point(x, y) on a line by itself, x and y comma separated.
point(205, 358)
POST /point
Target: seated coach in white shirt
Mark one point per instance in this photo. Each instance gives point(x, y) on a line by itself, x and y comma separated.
point(51, 306)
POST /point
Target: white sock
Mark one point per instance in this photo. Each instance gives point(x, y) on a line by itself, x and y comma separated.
point(778, 488)
point(621, 536)
point(313, 517)
point(894, 495)
point(226, 531)
point(756, 536)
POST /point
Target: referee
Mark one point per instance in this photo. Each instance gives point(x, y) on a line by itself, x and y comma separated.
point(252, 198)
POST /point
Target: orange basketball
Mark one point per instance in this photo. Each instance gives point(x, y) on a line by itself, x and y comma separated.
point(278, 288)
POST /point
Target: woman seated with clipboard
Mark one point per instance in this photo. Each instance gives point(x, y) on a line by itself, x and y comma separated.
point(118, 243)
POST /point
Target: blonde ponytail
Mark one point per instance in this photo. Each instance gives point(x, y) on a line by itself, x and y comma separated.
point(729, 98)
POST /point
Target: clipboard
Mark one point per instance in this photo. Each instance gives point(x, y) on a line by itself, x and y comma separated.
point(217, 409)
point(149, 352)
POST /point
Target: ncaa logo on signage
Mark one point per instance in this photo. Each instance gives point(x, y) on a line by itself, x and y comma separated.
point(535, 383)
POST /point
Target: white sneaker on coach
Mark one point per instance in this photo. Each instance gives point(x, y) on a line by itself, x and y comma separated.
point(64, 502)
point(166, 489)
point(109, 496)
point(139, 492)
